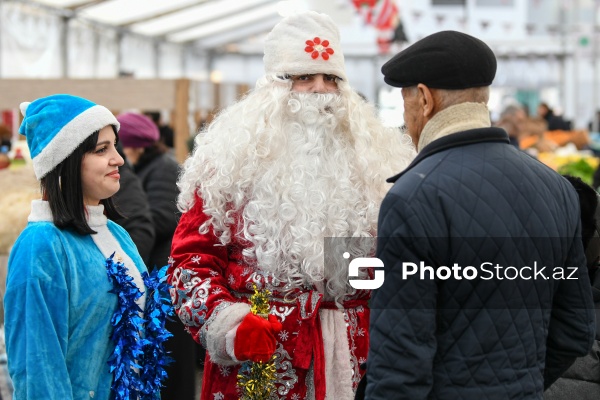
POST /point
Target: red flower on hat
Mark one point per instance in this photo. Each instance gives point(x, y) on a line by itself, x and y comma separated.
point(316, 47)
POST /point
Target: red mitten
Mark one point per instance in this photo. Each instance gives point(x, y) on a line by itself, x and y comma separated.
point(255, 338)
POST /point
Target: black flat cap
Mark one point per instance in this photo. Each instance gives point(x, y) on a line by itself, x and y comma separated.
point(443, 60)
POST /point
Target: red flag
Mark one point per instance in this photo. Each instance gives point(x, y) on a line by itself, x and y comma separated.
point(383, 16)
point(365, 8)
point(386, 15)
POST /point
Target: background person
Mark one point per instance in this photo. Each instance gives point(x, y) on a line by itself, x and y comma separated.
point(555, 122)
point(157, 172)
point(132, 203)
point(5, 137)
point(167, 135)
point(512, 120)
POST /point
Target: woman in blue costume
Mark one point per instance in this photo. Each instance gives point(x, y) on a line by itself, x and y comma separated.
point(76, 284)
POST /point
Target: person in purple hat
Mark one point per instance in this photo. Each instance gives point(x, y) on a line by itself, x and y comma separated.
point(158, 172)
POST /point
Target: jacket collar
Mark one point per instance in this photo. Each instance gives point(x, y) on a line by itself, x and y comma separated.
point(472, 136)
point(457, 118)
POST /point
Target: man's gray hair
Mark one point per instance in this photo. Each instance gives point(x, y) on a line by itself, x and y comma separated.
point(471, 95)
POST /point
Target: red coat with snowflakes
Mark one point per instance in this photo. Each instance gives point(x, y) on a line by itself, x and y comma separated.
point(208, 277)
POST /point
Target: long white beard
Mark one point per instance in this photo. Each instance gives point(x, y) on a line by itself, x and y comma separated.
point(285, 170)
point(308, 192)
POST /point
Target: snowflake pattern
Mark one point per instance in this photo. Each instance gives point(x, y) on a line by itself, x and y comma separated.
point(196, 259)
point(360, 309)
point(217, 290)
point(295, 396)
point(171, 261)
point(231, 280)
point(218, 396)
point(213, 273)
point(362, 360)
point(360, 332)
point(225, 371)
point(283, 336)
point(317, 47)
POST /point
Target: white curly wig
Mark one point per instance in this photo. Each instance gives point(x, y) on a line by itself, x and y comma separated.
point(291, 169)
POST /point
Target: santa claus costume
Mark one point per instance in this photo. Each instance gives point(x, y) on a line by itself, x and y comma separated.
point(270, 179)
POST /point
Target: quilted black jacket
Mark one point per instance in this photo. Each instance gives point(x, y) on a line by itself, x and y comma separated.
point(582, 380)
point(471, 198)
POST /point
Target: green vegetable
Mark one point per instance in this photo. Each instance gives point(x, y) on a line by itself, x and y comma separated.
point(580, 168)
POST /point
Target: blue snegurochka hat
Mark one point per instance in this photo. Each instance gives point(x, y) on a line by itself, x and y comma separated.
point(56, 125)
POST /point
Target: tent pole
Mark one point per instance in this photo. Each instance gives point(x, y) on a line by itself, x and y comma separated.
point(64, 46)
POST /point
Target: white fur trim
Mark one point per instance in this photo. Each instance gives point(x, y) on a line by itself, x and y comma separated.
point(108, 245)
point(40, 211)
point(338, 371)
point(70, 137)
point(230, 343)
point(23, 107)
point(216, 336)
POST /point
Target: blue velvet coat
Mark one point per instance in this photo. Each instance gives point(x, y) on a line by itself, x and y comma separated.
point(58, 309)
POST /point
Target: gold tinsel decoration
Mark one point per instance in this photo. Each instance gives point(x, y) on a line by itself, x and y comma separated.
point(259, 302)
point(256, 380)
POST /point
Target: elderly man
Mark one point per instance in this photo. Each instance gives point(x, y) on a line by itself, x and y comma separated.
point(486, 293)
point(299, 159)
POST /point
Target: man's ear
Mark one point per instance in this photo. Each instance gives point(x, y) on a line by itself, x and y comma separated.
point(426, 100)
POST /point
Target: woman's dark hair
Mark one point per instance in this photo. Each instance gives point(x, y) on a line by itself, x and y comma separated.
point(62, 188)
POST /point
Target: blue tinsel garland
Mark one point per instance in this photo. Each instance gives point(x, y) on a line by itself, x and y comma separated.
point(155, 359)
point(139, 359)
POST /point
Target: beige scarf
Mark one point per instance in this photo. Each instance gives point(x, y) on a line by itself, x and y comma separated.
point(457, 118)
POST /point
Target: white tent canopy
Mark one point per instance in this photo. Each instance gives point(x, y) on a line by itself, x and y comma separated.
point(199, 39)
point(541, 45)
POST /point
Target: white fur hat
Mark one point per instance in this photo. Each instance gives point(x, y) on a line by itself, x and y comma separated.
point(304, 43)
